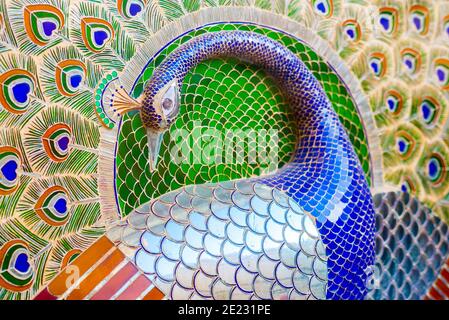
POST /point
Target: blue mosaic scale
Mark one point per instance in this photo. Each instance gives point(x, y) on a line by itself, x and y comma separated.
point(312, 221)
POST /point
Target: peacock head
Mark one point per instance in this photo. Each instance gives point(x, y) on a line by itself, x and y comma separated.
point(159, 108)
point(160, 105)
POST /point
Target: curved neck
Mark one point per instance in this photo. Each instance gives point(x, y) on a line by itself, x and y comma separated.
point(322, 137)
point(318, 124)
point(302, 89)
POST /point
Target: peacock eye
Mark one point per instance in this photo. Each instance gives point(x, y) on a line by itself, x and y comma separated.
point(170, 102)
point(167, 104)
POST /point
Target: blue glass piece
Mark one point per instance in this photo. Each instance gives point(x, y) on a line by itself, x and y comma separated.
point(134, 9)
point(63, 143)
point(75, 80)
point(391, 104)
point(375, 67)
point(9, 170)
point(385, 22)
point(433, 168)
point(48, 27)
point(100, 36)
point(417, 23)
point(321, 7)
point(21, 91)
point(350, 33)
point(21, 264)
point(402, 145)
point(61, 206)
point(441, 75)
point(425, 111)
point(409, 63)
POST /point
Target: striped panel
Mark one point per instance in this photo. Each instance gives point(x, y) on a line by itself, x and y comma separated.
point(440, 288)
point(59, 285)
point(135, 289)
point(115, 283)
point(97, 275)
point(104, 273)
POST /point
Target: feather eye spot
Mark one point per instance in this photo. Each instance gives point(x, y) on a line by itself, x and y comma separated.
point(441, 73)
point(378, 64)
point(96, 33)
point(56, 141)
point(10, 163)
point(69, 76)
point(352, 30)
point(408, 186)
point(17, 272)
point(436, 168)
point(130, 8)
point(419, 19)
point(394, 101)
point(405, 144)
point(411, 61)
point(323, 8)
point(429, 109)
point(16, 88)
point(388, 20)
point(42, 22)
point(52, 206)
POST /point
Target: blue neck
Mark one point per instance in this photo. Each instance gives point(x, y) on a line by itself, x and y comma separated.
point(323, 141)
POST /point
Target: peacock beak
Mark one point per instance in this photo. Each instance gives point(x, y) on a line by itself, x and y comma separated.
point(154, 146)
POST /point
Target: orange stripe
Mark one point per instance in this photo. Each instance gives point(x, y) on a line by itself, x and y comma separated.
point(97, 275)
point(84, 261)
point(154, 294)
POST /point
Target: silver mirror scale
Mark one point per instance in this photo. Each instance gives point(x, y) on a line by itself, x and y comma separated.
point(250, 241)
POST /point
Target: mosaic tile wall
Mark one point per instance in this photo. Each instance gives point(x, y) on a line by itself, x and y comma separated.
point(71, 169)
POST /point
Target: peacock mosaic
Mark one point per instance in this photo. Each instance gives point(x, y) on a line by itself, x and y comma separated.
point(349, 96)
